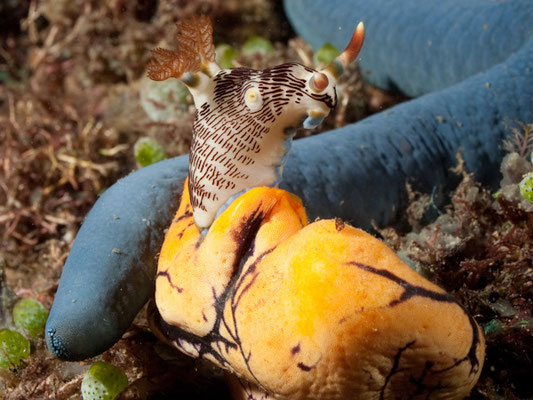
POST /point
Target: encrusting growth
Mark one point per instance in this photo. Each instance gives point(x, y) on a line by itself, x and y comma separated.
point(309, 311)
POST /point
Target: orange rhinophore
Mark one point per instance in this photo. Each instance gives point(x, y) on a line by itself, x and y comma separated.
point(354, 47)
point(309, 311)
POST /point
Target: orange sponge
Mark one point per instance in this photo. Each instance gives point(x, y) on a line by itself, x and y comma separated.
point(318, 311)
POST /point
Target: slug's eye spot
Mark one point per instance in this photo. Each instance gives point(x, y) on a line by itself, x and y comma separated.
point(252, 96)
point(318, 82)
point(253, 99)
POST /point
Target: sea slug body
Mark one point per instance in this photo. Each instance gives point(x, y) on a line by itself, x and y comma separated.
point(244, 116)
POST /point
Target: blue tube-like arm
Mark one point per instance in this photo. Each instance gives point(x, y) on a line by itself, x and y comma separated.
point(110, 271)
point(418, 46)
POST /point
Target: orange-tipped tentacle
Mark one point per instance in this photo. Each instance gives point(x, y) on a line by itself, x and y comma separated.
point(337, 66)
point(354, 47)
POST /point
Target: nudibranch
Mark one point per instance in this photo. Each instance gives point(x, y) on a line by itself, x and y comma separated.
point(294, 310)
point(245, 118)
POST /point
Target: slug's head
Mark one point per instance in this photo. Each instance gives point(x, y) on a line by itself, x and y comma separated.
point(324, 81)
point(195, 65)
point(245, 118)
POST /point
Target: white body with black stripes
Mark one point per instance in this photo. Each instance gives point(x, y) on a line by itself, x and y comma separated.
point(244, 124)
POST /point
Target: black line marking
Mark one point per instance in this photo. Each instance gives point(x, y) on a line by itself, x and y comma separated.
point(180, 234)
point(295, 349)
point(186, 214)
point(409, 289)
point(211, 344)
point(417, 291)
point(165, 274)
point(308, 368)
point(420, 387)
point(394, 368)
point(204, 343)
point(304, 367)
